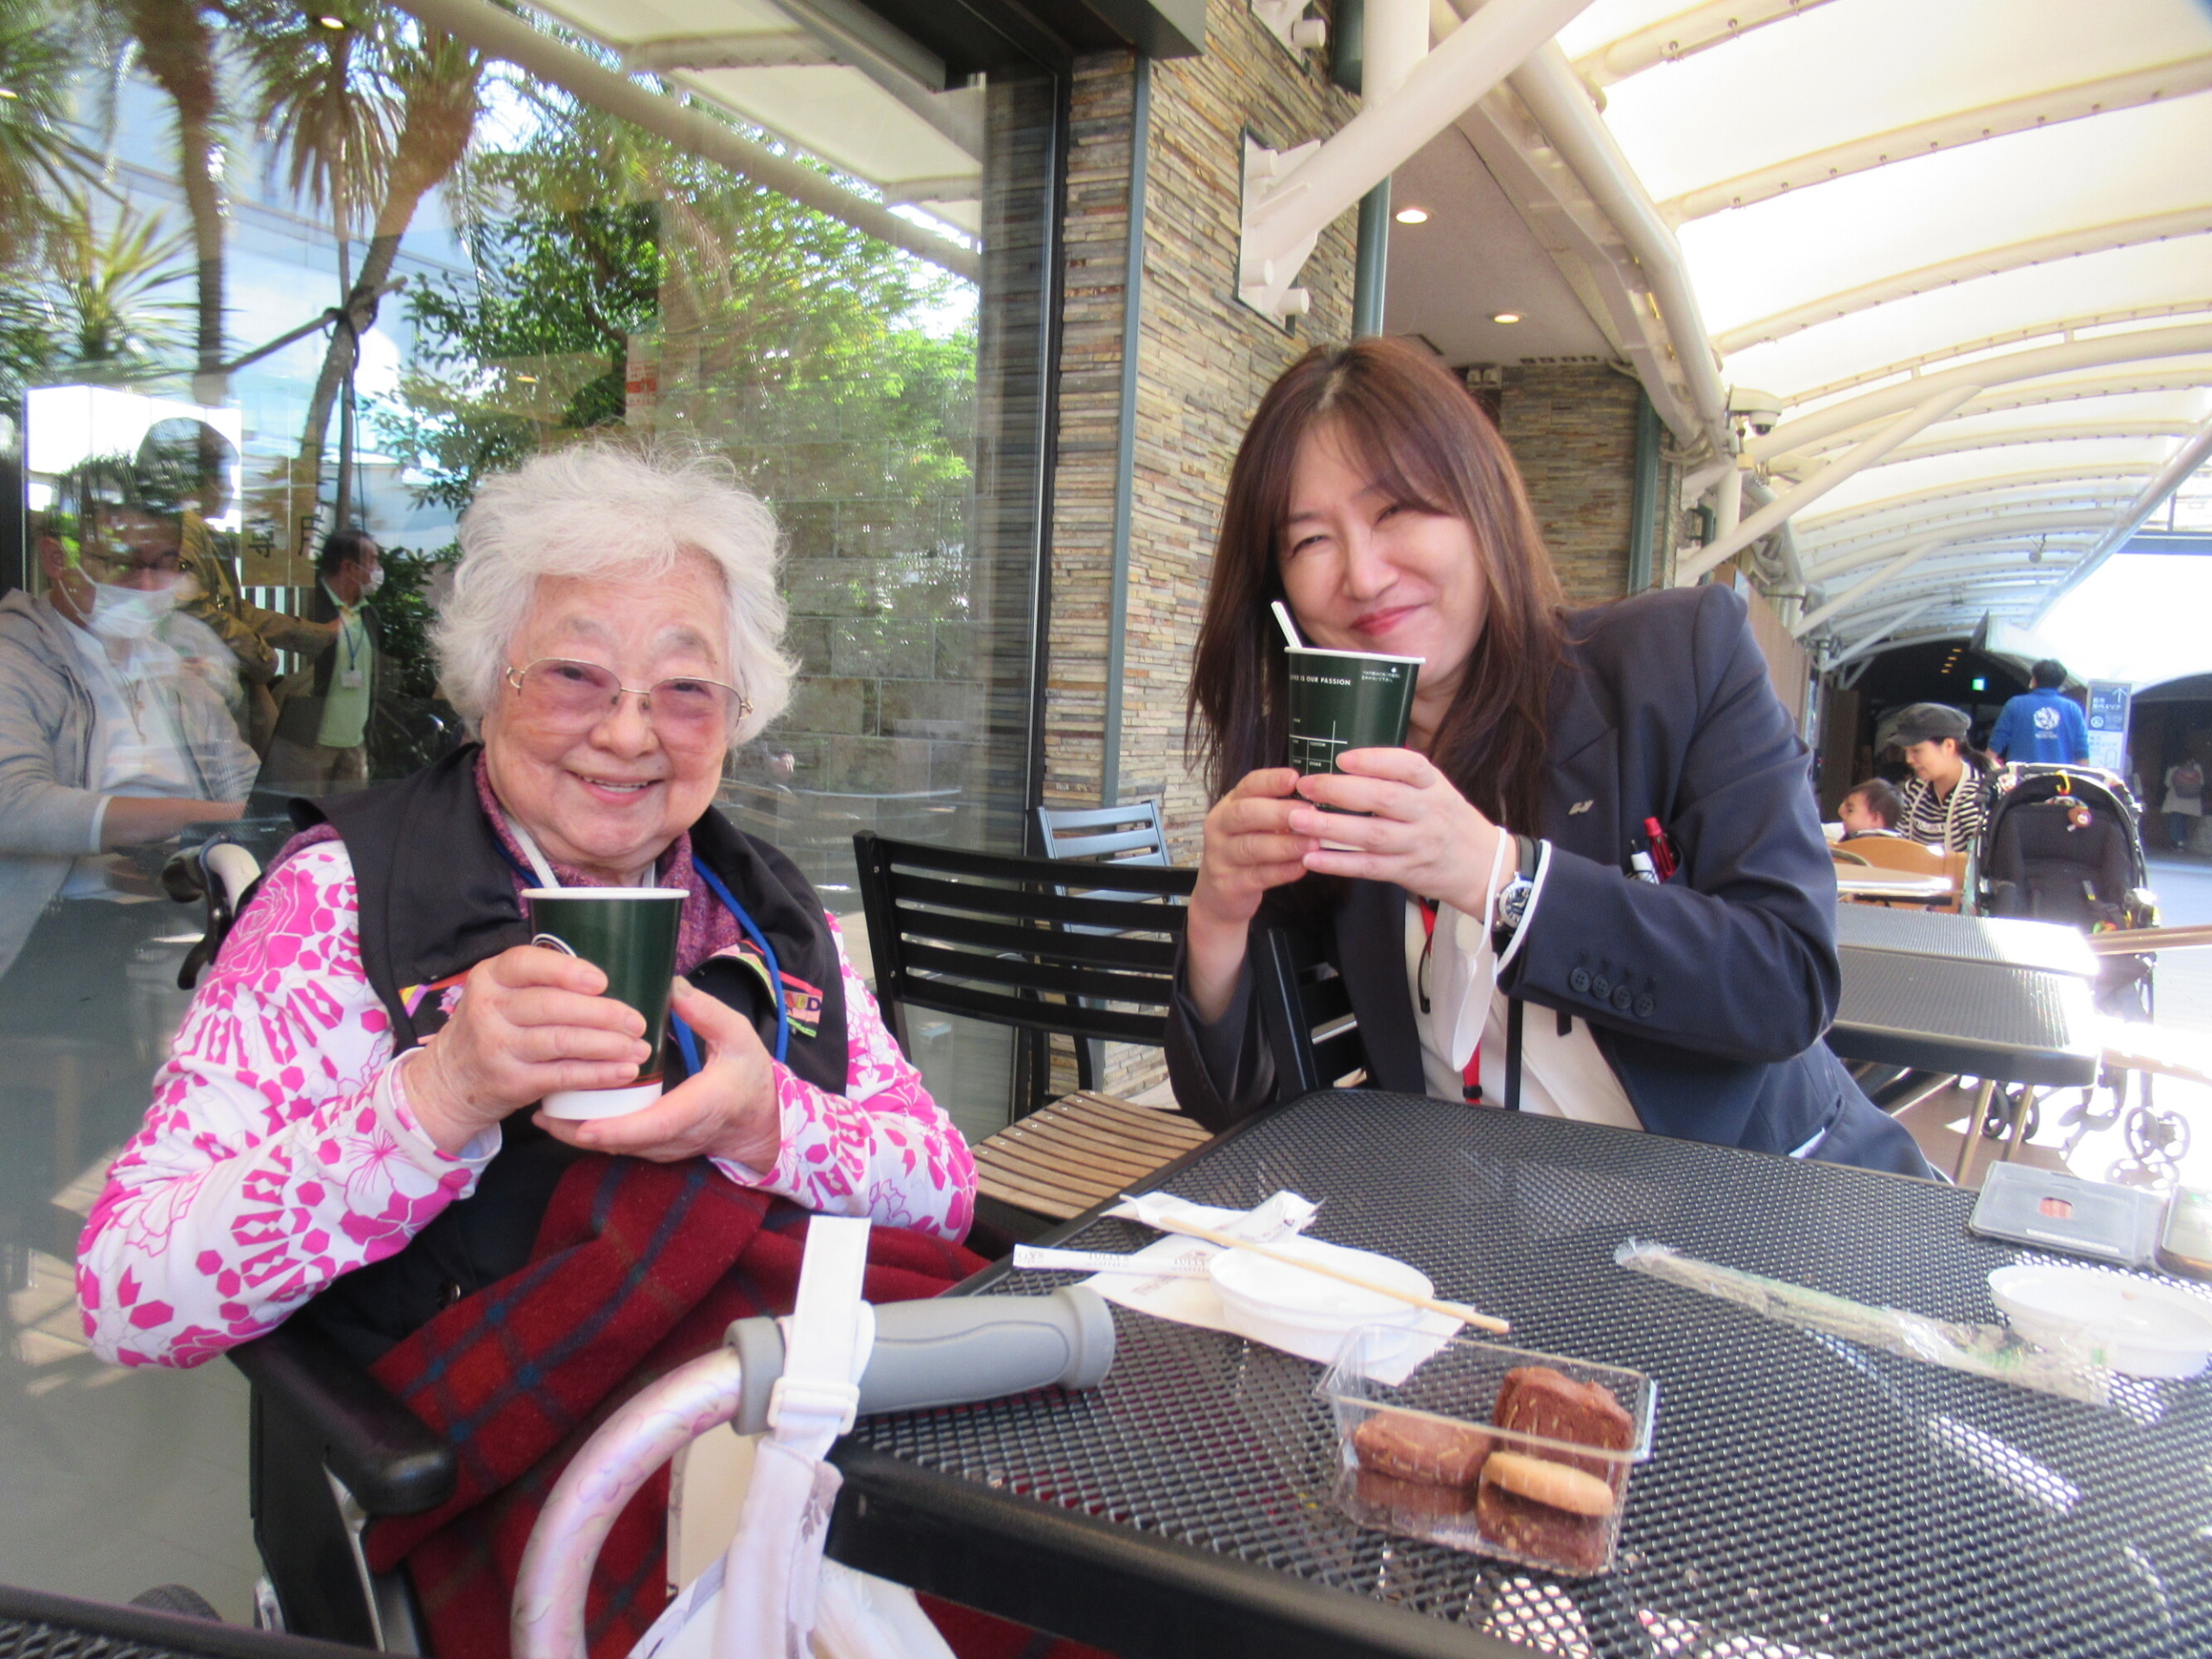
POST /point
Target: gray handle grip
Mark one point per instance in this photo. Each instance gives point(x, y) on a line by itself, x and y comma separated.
point(951, 1351)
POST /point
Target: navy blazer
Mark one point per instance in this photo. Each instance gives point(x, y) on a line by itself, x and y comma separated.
point(1706, 995)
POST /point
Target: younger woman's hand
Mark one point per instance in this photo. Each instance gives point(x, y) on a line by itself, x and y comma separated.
point(1249, 847)
point(1422, 833)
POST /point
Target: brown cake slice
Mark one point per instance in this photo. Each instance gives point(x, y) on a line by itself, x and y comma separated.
point(1537, 1400)
point(1409, 1447)
point(1414, 1506)
point(1572, 1543)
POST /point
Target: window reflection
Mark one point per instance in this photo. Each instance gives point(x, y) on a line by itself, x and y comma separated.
point(274, 295)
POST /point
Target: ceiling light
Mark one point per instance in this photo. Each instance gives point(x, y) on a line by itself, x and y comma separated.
point(328, 22)
point(1411, 215)
point(1505, 316)
point(526, 379)
point(6, 93)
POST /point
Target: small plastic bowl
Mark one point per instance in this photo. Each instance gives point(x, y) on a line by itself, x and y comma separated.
point(2140, 1326)
point(1273, 1302)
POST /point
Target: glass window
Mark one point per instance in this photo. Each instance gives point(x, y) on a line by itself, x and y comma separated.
point(281, 288)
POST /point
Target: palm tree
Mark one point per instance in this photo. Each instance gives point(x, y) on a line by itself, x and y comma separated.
point(38, 159)
point(113, 300)
point(382, 113)
point(176, 43)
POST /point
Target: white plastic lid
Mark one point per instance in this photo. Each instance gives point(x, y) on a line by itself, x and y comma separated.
point(1249, 1282)
point(2145, 1327)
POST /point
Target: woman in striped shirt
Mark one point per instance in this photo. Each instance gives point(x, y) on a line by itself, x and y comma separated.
point(1946, 801)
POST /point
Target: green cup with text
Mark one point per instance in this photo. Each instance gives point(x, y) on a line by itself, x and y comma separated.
point(1343, 700)
point(629, 934)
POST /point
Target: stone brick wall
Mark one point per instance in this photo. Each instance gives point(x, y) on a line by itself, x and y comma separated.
point(1572, 428)
point(1204, 361)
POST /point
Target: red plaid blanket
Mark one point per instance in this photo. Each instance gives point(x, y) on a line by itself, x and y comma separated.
point(639, 1266)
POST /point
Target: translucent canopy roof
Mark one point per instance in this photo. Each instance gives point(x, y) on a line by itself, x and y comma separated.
point(1868, 194)
point(864, 99)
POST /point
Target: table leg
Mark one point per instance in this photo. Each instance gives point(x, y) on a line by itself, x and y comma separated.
point(2018, 1134)
point(1973, 1129)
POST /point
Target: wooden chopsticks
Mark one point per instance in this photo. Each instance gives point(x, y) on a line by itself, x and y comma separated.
point(1459, 1310)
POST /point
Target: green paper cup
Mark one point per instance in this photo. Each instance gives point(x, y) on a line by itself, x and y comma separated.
point(1343, 700)
point(629, 934)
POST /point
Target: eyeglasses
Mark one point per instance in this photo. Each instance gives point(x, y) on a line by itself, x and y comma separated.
point(686, 711)
point(103, 566)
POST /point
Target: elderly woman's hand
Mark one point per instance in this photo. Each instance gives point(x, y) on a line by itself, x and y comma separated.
point(728, 1110)
point(1422, 833)
point(530, 1021)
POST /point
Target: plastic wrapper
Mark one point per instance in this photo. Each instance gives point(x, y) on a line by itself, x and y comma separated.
point(1989, 1350)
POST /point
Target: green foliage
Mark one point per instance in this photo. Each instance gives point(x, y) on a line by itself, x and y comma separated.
point(785, 337)
point(404, 607)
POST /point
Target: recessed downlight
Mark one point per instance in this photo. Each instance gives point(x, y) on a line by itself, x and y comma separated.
point(1505, 316)
point(1411, 215)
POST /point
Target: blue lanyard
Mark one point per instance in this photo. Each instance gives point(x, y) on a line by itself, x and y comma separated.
point(686, 1039)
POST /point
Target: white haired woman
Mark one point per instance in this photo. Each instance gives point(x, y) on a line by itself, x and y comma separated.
point(344, 1123)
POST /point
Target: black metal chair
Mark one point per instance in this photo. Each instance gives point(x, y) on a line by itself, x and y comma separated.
point(1001, 939)
point(1305, 1014)
point(1130, 833)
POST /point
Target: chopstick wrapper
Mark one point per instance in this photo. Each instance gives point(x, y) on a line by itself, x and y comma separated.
point(1188, 1300)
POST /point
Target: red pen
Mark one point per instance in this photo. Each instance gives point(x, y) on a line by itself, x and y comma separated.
point(1662, 850)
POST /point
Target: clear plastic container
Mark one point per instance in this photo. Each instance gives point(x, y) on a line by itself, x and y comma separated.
point(1424, 1458)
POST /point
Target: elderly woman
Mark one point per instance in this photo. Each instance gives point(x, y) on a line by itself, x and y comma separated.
point(344, 1123)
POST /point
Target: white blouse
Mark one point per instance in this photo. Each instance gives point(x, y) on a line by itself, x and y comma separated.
point(1561, 1076)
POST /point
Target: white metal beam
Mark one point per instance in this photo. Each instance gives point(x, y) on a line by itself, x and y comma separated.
point(2185, 461)
point(2108, 431)
point(1988, 531)
point(2122, 382)
point(1683, 35)
point(1286, 207)
point(2102, 351)
point(1844, 466)
point(1880, 632)
point(2006, 485)
point(503, 35)
point(1950, 131)
point(1972, 267)
point(1561, 106)
point(1852, 594)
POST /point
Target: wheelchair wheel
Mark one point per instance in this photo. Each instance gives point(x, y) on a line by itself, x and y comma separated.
point(2156, 1137)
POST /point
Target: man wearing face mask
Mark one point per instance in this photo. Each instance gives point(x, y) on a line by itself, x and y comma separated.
point(115, 731)
point(321, 742)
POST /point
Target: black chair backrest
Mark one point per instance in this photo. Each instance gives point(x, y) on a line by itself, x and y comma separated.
point(1130, 833)
point(1306, 1013)
point(999, 938)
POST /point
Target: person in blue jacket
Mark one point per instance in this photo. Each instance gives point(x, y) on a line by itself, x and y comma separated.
point(1592, 885)
point(2042, 725)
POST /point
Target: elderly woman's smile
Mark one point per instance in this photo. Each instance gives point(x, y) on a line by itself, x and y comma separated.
point(609, 798)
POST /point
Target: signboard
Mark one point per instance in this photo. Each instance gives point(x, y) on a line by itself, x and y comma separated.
point(2108, 706)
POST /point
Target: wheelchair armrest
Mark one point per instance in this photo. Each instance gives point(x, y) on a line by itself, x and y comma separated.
point(388, 1458)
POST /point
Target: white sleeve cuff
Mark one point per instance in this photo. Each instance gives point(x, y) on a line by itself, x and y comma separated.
point(1528, 913)
point(100, 823)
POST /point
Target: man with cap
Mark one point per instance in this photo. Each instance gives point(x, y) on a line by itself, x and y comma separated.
point(1946, 800)
point(2045, 725)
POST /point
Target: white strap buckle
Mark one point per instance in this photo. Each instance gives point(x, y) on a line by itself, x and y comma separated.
point(817, 1404)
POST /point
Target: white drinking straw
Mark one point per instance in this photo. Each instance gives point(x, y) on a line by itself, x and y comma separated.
point(1289, 628)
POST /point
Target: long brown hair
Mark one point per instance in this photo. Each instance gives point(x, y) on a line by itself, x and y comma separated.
point(1420, 438)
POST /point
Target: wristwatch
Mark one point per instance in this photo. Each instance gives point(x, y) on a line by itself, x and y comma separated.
point(1514, 897)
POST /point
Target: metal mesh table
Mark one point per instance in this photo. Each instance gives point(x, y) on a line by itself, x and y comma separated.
point(1805, 1497)
point(2044, 945)
point(1977, 1019)
point(33, 1625)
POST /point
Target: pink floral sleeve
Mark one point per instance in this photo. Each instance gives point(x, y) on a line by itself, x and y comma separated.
point(278, 1152)
point(883, 1148)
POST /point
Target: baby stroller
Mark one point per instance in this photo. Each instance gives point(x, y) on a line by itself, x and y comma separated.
point(2064, 844)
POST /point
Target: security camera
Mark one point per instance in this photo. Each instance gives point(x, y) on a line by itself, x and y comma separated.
point(1759, 410)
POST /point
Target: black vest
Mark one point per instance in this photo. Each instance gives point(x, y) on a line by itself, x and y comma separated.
point(437, 896)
